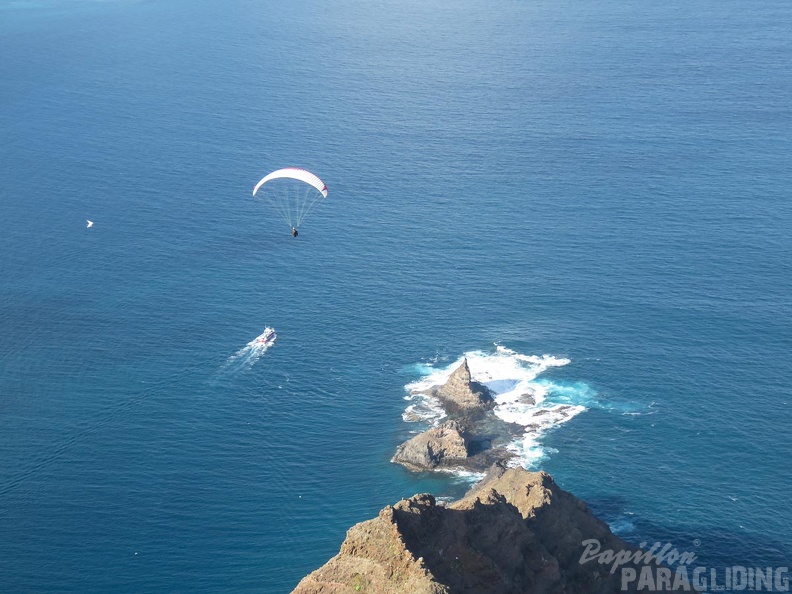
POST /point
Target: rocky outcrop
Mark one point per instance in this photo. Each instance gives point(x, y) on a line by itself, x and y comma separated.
point(445, 444)
point(461, 395)
point(470, 438)
point(450, 445)
point(515, 533)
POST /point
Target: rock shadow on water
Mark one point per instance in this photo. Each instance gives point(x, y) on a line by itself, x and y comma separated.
point(714, 546)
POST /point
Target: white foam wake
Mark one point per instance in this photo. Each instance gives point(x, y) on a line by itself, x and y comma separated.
point(252, 351)
point(539, 405)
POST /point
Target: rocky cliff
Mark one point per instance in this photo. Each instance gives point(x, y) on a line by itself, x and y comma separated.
point(515, 532)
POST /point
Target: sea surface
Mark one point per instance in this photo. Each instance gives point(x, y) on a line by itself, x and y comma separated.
point(591, 198)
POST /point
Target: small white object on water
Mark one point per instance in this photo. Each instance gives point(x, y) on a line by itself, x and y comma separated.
point(90, 223)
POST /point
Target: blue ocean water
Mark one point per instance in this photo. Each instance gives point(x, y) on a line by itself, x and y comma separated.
point(605, 181)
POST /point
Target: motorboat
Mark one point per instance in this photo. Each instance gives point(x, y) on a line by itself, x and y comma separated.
point(265, 338)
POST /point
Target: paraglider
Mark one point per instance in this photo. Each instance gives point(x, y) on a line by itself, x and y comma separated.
point(292, 192)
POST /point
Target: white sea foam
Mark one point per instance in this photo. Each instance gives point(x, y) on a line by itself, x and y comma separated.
point(622, 525)
point(424, 409)
point(463, 475)
point(538, 405)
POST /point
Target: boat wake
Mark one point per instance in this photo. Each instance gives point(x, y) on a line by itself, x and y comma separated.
point(253, 351)
point(522, 397)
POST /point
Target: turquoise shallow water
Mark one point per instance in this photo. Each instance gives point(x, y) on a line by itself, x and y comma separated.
point(607, 182)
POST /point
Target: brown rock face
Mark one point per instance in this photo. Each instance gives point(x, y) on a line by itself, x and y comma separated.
point(460, 394)
point(373, 558)
point(450, 445)
point(514, 533)
point(445, 443)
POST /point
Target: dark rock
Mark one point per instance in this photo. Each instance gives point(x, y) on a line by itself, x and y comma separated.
point(527, 399)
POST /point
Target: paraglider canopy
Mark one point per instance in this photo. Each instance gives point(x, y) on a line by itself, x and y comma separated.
point(293, 195)
point(294, 173)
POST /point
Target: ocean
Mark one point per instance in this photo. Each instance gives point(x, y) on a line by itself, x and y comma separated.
point(590, 199)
